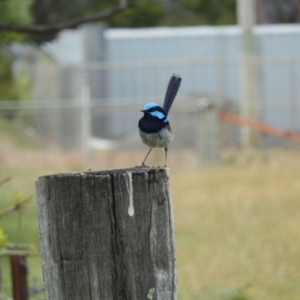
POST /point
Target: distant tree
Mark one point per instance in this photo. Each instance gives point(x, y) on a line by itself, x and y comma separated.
point(51, 16)
point(203, 12)
point(274, 11)
point(47, 17)
point(14, 12)
point(177, 13)
point(7, 91)
point(148, 13)
point(70, 15)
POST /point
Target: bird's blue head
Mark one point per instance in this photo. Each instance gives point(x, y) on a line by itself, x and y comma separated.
point(155, 111)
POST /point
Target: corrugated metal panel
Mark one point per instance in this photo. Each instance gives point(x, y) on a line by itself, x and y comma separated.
point(216, 70)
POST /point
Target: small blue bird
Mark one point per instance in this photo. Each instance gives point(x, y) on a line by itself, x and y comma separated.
point(154, 127)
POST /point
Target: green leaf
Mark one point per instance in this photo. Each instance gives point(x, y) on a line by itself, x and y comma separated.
point(3, 238)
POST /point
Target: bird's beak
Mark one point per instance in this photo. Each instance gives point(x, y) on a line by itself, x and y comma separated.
point(142, 110)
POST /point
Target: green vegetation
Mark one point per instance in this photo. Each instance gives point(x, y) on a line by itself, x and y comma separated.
point(147, 13)
point(181, 13)
point(16, 12)
point(237, 224)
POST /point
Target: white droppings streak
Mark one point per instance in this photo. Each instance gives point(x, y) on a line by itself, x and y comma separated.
point(130, 190)
point(168, 172)
point(150, 293)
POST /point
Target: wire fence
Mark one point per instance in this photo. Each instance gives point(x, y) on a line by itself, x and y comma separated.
point(196, 122)
point(93, 101)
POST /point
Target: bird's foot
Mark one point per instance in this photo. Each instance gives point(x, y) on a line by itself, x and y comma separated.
point(142, 166)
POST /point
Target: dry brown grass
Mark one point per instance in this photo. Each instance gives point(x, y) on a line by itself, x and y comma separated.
point(239, 226)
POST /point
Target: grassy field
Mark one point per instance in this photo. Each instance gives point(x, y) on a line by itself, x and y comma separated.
point(238, 230)
point(237, 224)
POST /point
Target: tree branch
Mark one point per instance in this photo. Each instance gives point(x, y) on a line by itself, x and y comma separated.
point(7, 179)
point(70, 24)
point(14, 207)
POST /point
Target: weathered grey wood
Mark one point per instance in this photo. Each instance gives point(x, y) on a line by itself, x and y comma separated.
point(107, 235)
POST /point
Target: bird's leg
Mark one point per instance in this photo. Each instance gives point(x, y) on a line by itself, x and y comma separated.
point(143, 163)
point(166, 154)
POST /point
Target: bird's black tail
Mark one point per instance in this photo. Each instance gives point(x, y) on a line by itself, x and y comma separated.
point(171, 92)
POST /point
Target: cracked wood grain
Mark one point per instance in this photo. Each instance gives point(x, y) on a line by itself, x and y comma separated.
point(107, 235)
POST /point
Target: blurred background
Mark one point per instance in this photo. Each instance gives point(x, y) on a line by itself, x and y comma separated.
point(71, 92)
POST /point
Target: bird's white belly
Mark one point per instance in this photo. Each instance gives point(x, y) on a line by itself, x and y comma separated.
point(158, 139)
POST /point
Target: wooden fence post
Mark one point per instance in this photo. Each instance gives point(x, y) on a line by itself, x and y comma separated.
point(107, 235)
point(208, 141)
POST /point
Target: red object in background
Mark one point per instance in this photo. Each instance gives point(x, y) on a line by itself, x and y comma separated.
point(259, 126)
point(19, 277)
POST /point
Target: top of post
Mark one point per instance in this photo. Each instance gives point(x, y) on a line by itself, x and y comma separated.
point(136, 170)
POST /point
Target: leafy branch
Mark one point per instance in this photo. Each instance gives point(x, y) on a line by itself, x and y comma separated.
point(6, 247)
point(5, 180)
point(17, 206)
point(69, 24)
